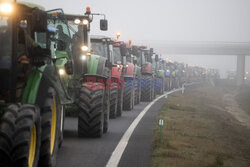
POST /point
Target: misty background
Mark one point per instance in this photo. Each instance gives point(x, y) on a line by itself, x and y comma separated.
point(149, 22)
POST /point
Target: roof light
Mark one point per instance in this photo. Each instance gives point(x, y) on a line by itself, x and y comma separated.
point(88, 10)
point(118, 35)
point(6, 8)
point(54, 14)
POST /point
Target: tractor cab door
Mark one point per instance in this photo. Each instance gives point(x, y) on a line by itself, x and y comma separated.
point(5, 42)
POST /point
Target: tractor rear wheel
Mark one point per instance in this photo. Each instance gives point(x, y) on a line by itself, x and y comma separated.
point(146, 89)
point(127, 96)
point(51, 114)
point(91, 116)
point(159, 86)
point(106, 110)
point(27, 137)
point(119, 102)
point(136, 91)
point(113, 102)
point(7, 129)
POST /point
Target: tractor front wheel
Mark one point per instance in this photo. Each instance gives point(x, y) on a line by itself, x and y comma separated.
point(91, 116)
point(27, 137)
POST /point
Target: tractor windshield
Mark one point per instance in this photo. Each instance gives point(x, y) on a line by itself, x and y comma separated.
point(5, 42)
point(117, 54)
point(61, 36)
point(99, 48)
point(141, 59)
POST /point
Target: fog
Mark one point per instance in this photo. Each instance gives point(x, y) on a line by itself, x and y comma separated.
point(171, 20)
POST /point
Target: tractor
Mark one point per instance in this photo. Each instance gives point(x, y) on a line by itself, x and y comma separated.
point(160, 79)
point(92, 68)
point(129, 79)
point(35, 69)
point(99, 85)
point(147, 81)
point(118, 73)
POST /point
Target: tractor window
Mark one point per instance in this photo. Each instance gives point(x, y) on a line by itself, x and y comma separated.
point(40, 39)
point(61, 39)
point(117, 54)
point(99, 48)
point(5, 42)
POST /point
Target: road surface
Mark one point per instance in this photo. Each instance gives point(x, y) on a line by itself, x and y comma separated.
point(89, 152)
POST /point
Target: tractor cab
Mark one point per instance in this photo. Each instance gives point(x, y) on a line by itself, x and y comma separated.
point(79, 27)
point(20, 50)
point(102, 54)
point(119, 60)
point(147, 65)
point(130, 67)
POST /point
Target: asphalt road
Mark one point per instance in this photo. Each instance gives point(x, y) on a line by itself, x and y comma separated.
point(89, 152)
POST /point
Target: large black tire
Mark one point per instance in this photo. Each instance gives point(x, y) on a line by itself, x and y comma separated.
point(106, 110)
point(91, 116)
point(113, 102)
point(146, 89)
point(136, 92)
point(128, 96)
point(7, 130)
point(51, 129)
point(119, 102)
point(27, 137)
point(159, 86)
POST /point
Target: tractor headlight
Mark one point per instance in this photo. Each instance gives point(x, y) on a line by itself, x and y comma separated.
point(77, 21)
point(83, 57)
point(85, 48)
point(61, 71)
point(6, 8)
point(85, 22)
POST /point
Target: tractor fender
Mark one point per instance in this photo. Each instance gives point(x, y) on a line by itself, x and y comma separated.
point(52, 79)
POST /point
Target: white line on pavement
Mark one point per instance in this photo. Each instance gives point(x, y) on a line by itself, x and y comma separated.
point(117, 153)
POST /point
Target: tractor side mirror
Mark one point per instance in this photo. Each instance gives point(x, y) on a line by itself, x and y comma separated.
point(103, 24)
point(123, 50)
point(151, 51)
point(39, 21)
point(156, 58)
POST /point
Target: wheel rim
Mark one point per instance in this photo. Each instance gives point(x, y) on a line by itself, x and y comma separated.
point(32, 147)
point(53, 128)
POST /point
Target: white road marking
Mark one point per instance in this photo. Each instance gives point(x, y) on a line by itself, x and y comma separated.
point(117, 153)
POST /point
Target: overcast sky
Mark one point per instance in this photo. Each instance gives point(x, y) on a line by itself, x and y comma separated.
point(168, 20)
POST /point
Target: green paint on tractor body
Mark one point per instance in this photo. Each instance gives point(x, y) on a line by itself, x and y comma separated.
point(160, 73)
point(32, 86)
point(93, 62)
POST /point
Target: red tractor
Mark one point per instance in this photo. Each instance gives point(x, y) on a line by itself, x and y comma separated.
point(129, 78)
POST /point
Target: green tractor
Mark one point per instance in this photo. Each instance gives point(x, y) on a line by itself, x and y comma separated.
point(35, 67)
point(91, 59)
point(158, 66)
point(95, 89)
